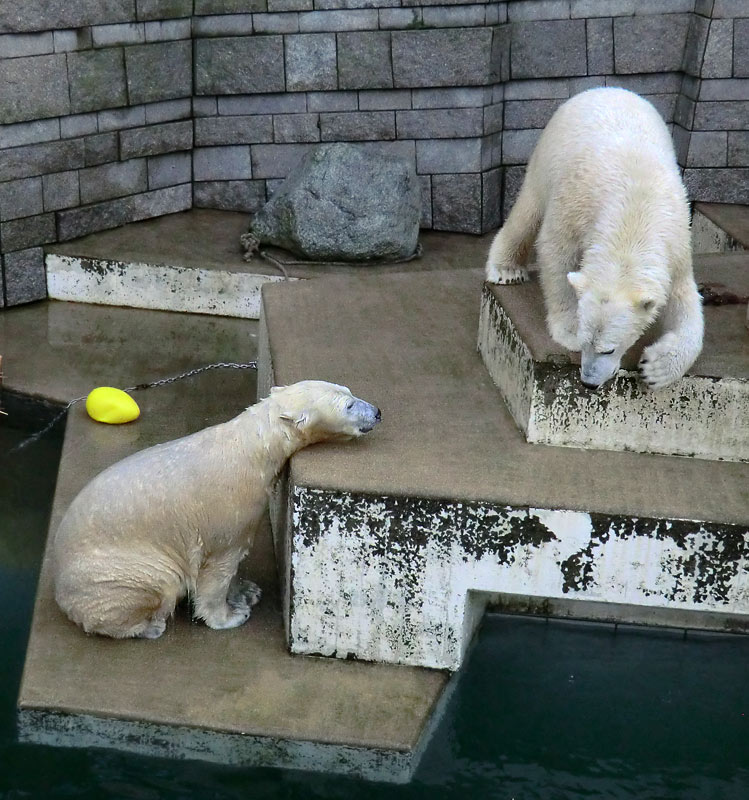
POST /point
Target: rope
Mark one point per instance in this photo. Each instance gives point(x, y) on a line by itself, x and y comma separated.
point(162, 382)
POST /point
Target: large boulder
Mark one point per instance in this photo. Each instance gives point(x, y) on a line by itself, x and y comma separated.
point(343, 202)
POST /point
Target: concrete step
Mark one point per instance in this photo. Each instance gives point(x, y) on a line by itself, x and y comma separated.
point(192, 261)
point(392, 548)
point(232, 697)
point(720, 228)
point(704, 415)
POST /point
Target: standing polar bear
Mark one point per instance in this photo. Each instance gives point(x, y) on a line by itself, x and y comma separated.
point(603, 193)
point(176, 519)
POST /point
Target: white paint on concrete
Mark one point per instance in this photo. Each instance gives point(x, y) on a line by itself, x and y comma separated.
point(156, 286)
point(701, 417)
point(406, 581)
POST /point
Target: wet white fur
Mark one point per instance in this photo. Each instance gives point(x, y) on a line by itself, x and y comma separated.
point(603, 193)
point(177, 518)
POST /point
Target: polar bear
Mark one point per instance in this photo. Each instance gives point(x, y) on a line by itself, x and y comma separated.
point(176, 519)
point(602, 192)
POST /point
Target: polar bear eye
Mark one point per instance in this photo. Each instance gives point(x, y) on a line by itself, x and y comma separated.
point(349, 405)
point(606, 352)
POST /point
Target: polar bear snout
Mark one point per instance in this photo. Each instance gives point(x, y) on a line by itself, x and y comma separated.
point(365, 415)
point(597, 368)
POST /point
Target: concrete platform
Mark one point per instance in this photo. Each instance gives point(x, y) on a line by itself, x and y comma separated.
point(192, 261)
point(720, 228)
point(391, 550)
point(703, 415)
point(235, 697)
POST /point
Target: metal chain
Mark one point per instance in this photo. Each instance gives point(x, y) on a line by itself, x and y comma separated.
point(218, 365)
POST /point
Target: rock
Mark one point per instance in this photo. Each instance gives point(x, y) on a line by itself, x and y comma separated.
point(343, 202)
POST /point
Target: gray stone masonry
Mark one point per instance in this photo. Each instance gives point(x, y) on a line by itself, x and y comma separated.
point(738, 149)
point(113, 180)
point(25, 278)
point(169, 170)
point(61, 190)
point(242, 129)
point(263, 104)
point(42, 130)
point(21, 198)
point(456, 203)
point(97, 79)
point(248, 196)
point(159, 71)
point(221, 163)
point(296, 128)
point(311, 62)
point(32, 88)
point(447, 123)
point(741, 47)
point(332, 101)
point(233, 25)
point(39, 15)
point(357, 126)
point(100, 149)
point(548, 49)
point(161, 9)
point(19, 234)
point(39, 159)
point(708, 149)
point(529, 113)
point(26, 44)
point(600, 38)
point(239, 65)
point(364, 61)
point(448, 155)
point(118, 118)
point(165, 138)
point(650, 44)
point(276, 160)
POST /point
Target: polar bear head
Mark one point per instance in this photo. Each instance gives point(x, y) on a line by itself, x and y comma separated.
point(611, 317)
point(318, 411)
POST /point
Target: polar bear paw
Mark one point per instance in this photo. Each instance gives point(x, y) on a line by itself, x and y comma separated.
point(230, 617)
point(506, 276)
point(662, 363)
point(244, 595)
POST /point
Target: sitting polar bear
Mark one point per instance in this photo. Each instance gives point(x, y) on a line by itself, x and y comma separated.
point(176, 519)
point(603, 192)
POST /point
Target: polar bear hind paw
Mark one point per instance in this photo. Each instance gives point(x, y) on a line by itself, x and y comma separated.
point(244, 594)
point(662, 363)
point(506, 276)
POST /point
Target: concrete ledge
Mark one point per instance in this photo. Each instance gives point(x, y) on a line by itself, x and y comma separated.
point(720, 228)
point(391, 549)
point(704, 415)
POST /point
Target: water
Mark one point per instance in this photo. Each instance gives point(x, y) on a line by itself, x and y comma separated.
point(541, 711)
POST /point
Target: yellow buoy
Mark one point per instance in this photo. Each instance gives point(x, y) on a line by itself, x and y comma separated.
point(113, 406)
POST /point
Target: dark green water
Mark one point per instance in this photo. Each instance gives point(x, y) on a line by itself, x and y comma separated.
point(541, 711)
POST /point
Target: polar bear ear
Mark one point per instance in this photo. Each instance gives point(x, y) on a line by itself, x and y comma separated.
point(646, 303)
point(577, 280)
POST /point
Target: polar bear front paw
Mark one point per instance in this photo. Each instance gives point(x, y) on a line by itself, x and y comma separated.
point(662, 362)
point(564, 331)
point(505, 276)
point(244, 594)
point(228, 617)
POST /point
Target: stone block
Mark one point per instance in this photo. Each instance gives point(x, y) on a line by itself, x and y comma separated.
point(61, 190)
point(738, 149)
point(467, 16)
point(204, 7)
point(426, 201)
point(169, 170)
point(244, 129)
point(168, 30)
point(694, 49)
point(276, 160)
point(729, 8)
point(239, 65)
point(21, 198)
point(33, 88)
point(155, 139)
point(462, 97)
point(741, 47)
point(364, 60)
point(169, 110)
point(708, 149)
point(290, 5)
point(19, 234)
point(121, 33)
point(601, 8)
point(221, 163)
point(205, 106)
point(538, 10)
point(357, 126)
point(332, 101)
point(108, 181)
point(529, 113)
point(718, 185)
point(276, 23)
point(224, 25)
point(311, 61)
point(684, 112)
point(39, 15)
point(456, 203)
point(296, 128)
point(650, 43)
point(81, 221)
point(25, 278)
point(600, 39)
point(732, 116)
point(658, 83)
point(727, 89)
point(665, 104)
point(446, 123)
point(75, 39)
point(159, 71)
point(464, 60)
point(384, 100)
point(101, 148)
point(548, 49)
point(78, 125)
point(263, 104)
point(118, 118)
point(491, 199)
point(500, 67)
point(518, 145)
point(26, 44)
point(341, 20)
point(169, 200)
point(38, 159)
point(513, 181)
point(448, 156)
point(21, 133)
point(247, 196)
point(493, 118)
point(97, 79)
point(163, 9)
point(399, 18)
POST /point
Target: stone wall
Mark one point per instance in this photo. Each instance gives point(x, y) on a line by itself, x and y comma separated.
point(123, 109)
